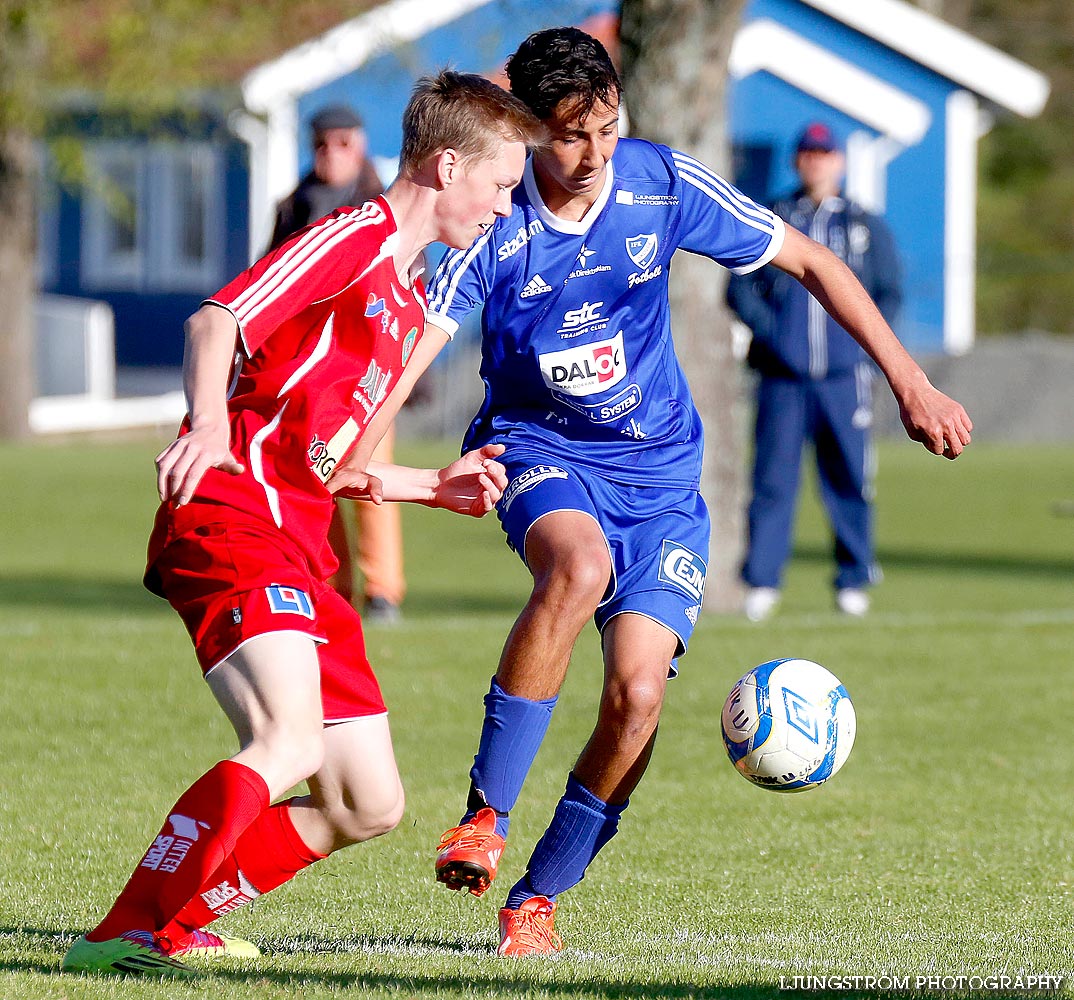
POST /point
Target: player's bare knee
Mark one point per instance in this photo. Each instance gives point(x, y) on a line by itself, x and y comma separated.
point(634, 702)
point(297, 752)
point(375, 816)
point(578, 578)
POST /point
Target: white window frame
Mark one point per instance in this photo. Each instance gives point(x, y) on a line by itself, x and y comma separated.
point(168, 269)
point(103, 266)
point(155, 263)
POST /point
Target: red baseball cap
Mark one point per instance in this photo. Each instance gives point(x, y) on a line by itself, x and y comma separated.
point(818, 137)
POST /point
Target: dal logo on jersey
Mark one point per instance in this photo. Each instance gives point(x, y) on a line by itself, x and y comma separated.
point(642, 249)
point(587, 369)
point(685, 569)
point(289, 601)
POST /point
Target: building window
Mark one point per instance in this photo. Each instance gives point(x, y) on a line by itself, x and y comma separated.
point(153, 217)
point(113, 213)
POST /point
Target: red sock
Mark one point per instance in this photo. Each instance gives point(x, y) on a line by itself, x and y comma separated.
point(200, 832)
point(268, 854)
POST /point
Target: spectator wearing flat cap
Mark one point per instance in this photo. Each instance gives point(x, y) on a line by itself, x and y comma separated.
point(365, 537)
point(815, 385)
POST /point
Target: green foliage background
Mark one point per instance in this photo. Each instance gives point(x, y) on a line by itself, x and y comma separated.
point(1026, 201)
point(151, 53)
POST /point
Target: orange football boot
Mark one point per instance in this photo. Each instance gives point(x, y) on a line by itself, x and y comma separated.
point(469, 854)
point(528, 930)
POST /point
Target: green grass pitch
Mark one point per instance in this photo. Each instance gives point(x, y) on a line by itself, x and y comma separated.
point(943, 849)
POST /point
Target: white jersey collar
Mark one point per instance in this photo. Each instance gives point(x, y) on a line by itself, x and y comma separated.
point(553, 221)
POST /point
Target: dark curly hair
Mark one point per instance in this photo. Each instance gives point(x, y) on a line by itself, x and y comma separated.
point(560, 64)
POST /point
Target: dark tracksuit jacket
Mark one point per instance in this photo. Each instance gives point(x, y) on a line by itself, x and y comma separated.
point(815, 385)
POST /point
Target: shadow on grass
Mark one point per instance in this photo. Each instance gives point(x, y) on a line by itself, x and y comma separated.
point(75, 593)
point(72, 592)
point(1048, 567)
point(436, 983)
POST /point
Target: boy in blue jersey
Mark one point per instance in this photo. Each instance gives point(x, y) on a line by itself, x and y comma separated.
point(604, 446)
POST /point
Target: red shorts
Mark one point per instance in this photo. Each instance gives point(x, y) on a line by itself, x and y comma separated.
point(235, 580)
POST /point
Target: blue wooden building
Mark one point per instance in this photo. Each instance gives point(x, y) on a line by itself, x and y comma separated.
point(184, 207)
point(910, 96)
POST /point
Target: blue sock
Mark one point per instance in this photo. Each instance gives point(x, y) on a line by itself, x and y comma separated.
point(581, 826)
point(511, 735)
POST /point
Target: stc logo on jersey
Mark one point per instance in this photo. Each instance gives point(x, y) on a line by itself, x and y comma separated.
point(685, 569)
point(587, 369)
point(585, 319)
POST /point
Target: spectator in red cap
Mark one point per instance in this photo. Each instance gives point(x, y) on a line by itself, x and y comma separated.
point(815, 384)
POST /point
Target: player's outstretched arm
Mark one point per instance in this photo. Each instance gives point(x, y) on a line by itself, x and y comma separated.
point(208, 356)
point(937, 421)
point(469, 485)
point(350, 475)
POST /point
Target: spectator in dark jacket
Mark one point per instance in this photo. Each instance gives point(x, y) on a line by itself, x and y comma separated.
point(815, 384)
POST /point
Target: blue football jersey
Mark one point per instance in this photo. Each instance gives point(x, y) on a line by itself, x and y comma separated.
point(577, 356)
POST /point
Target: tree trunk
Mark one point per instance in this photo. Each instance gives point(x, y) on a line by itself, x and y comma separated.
point(17, 235)
point(20, 60)
point(675, 56)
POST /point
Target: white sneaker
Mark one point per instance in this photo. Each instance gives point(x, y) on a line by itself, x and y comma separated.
point(760, 603)
point(852, 601)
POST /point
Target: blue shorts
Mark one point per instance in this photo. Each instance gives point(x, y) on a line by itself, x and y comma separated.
point(658, 538)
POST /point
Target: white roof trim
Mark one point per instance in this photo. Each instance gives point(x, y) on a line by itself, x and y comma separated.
point(767, 45)
point(346, 47)
point(934, 43)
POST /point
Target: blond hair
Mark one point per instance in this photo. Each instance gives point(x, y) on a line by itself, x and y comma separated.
point(464, 112)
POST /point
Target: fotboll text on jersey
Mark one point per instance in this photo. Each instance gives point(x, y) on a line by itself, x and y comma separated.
point(637, 278)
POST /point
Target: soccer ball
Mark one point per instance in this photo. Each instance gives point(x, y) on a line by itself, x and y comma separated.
point(788, 725)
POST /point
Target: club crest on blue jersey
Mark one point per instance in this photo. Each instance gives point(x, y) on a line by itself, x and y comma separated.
point(289, 601)
point(527, 480)
point(642, 249)
point(685, 569)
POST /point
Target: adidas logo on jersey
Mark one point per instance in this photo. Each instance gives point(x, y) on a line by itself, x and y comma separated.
point(535, 286)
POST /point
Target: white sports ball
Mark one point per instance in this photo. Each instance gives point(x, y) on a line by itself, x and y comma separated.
point(788, 725)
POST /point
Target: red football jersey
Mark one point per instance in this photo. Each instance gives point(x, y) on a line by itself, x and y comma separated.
point(326, 327)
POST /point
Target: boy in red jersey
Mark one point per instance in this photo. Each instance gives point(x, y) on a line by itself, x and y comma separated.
point(286, 370)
